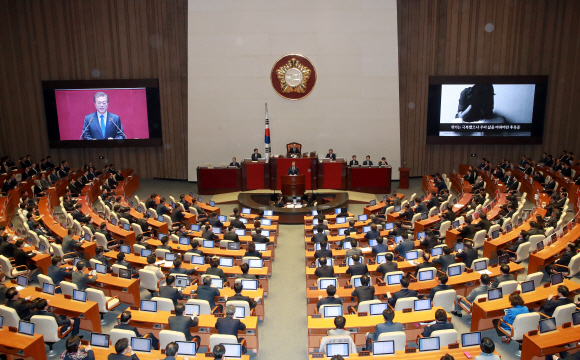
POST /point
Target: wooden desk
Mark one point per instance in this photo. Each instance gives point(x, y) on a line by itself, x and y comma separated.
point(208, 209)
point(218, 180)
point(539, 260)
point(116, 231)
point(458, 184)
point(88, 311)
point(360, 325)
point(140, 262)
point(462, 284)
point(230, 292)
point(550, 343)
point(374, 180)
point(483, 313)
point(490, 247)
point(127, 290)
point(332, 174)
point(236, 254)
point(101, 353)
point(155, 322)
point(378, 206)
point(15, 344)
point(427, 355)
point(128, 186)
point(331, 218)
point(255, 175)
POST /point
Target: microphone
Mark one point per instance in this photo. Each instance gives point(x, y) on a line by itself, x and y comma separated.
point(118, 128)
point(85, 129)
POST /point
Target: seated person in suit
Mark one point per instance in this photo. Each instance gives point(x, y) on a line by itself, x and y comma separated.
point(102, 258)
point(234, 163)
point(177, 216)
point(323, 252)
point(324, 270)
point(364, 292)
point(244, 275)
point(231, 235)
point(239, 297)
point(407, 212)
point(208, 292)
point(183, 324)
point(237, 223)
point(70, 245)
point(252, 251)
point(256, 155)
point(398, 229)
point(230, 326)
point(150, 202)
point(80, 278)
point(177, 269)
point(430, 240)
point(294, 149)
point(368, 161)
point(564, 260)
point(214, 220)
point(57, 273)
point(339, 323)
point(374, 233)
point(469, 254)
point(320, 234)
point(386, 327)
point(164, 244)
point(121, 261)
point(23, 307)
point(403, 293)
point(487, 350)
point(505, 276)
point(330, 299)
point(482, 289)
point(353, 249)
point(280, 201)
point(441, 323)
point(387, 266)
point(293, 170)
point(420, 207)
point(214, 270)
point(404, 246)
point(124, 325)
point(425, 264)
point(168, 291)
point(61, 320)
point(354, 161)
point(347, 239)
point(259, 238)
point(331, 155)
point(151, 259)
point(517, 308)
point(383, 162)
point(208, 234)
point(442, 285)
point(308, 200)
point(22, 257)
point(194, 247)
point(162, 208)
point(380, 247)
point(552, 302)
point(357, 268)
point(122, 348)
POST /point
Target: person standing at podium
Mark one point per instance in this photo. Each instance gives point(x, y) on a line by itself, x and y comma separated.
point(293, 170)
point(331, 155)
point(354, 161)
point(256, 155)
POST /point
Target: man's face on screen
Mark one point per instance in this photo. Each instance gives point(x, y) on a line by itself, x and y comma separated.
point(101, 104)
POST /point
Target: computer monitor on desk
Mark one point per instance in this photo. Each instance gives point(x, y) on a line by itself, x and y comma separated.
point(471, 339)
point(494, 294)
point(333, 349)
point(383, 347)
point(331, 311)
point(429, 344)
point(100, 340)
point(141, 344)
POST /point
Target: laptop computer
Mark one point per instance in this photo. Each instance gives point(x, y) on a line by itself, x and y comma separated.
point(233, 246)
point(226, 262)
point(504, 259)
point(141, 344)
point(383, 347)
point(454, 270)
point(251, 285)
point(186, 348)
point(421, 305)
point(240, 312)
point(100, 340)
point(480, 265)
point(233, 351)
point(191, 309)
point(331, 311)
point(26, 328)
point(429, 344)
point(146, 252)
point(437, 251)
point(576, 318)
point(394, 279)
point(471, 339)
point(100, 268)
point(255, 263)
point(148, 305)
point(372, 203)
point(182, 281)
point(557, 279)
point(494, 294)
point(48, 288)
point(217, 283)
point(411, 255)
point(125, 249)
point(363, 217)
point(547, 325)
point(528, 286)
point(425, 275)
point(79, 295)
point(377, 309)
point(125, 274)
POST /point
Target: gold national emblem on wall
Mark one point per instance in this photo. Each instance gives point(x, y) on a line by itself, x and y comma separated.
point(293, 76)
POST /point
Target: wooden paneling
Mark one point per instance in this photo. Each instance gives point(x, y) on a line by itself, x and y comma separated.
point(67, 40)
point(448, 37)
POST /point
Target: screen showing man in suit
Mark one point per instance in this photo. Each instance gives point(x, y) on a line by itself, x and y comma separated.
point(102, 114)
point(102, 124)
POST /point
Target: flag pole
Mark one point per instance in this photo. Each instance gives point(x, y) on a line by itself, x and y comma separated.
point(267, 148)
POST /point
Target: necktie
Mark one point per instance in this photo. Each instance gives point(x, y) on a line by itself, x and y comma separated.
point(103, 126)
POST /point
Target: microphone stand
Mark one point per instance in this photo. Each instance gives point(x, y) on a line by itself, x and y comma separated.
point(85, 129)
point(118, 128)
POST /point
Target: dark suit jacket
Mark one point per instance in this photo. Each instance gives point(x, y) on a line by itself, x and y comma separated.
point(59, 321)
point(21, 257)
point(468, 256)
point(357, 269)
point(231, 236)
point(261, 239)
point(329, 300)
point(437, 326)
point(353, 162)
point(217, 272)
point(205, 292)
point(324, 271)
point(445, 261)
point(121, 357)
point(229, 326)
point(468, 232)
point(238, 224)
point(57, 274)
point(551, 305)
point(256, 156)
point(3, 290)
point(236, 164)
point(169, 292)
point(23, 308)
point(113, 128)
point(240, 297)
point(369, 163)
point(403, 293)
point(319, 237)
point(81, 280)
point(323, 253)
point(364, 293)
point(150, 203)
point(387, 267)
point(333, 156)
point(437, 288)
point(293, 171)
point(380, 248)
point(183, 324)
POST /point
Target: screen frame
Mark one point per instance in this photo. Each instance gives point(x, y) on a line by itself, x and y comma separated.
point(538, 119)
point(153, 112)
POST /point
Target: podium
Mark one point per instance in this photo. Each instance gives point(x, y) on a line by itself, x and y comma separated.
point(292, 185)
point(404, 178)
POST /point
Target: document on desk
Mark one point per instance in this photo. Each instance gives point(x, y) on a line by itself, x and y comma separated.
point(164, 263)
point(486, 272)
point(366, 249)
point(412, 263)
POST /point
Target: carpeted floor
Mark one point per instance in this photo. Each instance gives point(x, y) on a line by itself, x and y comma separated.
point(283, 335)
